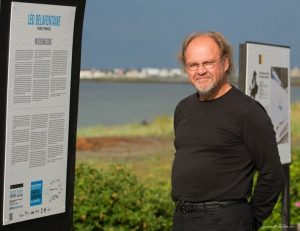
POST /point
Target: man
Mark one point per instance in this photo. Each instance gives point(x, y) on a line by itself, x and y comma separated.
point(221, 137)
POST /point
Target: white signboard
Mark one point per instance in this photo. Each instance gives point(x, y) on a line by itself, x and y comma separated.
point(268, 81)
point(37, 112)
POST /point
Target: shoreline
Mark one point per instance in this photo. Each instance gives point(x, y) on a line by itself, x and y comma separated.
point(135, 80)
point(294, 82)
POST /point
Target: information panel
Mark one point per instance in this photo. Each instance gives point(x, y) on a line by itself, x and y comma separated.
point(264, 75)
point(37, 111)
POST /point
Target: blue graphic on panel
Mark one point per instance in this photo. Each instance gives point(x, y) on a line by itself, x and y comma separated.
point(36, 193)
point(44, 20)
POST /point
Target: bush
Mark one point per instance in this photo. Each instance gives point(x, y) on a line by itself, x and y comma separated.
point(115, 200)
point(275, 217)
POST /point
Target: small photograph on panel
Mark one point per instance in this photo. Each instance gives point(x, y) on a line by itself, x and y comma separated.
point(254, 85)
point(280, 103)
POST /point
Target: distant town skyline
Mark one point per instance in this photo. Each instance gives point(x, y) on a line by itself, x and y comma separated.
point(140, 33)
point(150, 73)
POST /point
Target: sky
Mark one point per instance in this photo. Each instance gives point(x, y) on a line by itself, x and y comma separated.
point(149, 33)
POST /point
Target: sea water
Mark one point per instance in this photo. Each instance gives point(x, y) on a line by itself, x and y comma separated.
point(121, 103)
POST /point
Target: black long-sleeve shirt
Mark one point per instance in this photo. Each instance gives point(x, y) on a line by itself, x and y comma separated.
point(219, 143)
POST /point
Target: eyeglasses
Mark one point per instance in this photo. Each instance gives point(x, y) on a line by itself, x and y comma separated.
point(207, 65)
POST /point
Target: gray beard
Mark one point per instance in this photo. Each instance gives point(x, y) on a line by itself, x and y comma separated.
point(207, 93)
point(211, 91)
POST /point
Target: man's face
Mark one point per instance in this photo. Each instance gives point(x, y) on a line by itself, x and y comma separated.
point(204, 66)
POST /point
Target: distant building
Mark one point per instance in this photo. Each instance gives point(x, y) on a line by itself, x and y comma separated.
point(295, 72)
point(133, 73)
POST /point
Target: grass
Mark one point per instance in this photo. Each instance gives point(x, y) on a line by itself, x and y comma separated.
point(295, 125)
point(146, 164)
point(154, 167)
point(160, 126)
point(156, 164)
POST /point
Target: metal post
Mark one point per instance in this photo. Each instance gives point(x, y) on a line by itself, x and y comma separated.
point(285, 209)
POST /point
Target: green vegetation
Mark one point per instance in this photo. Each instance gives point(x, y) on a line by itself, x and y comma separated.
point(136, 194)
point(115, 200)
point(295, 125)
point(146, 164)
point(275, 217)
point(161, 126)
point(152, 167)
